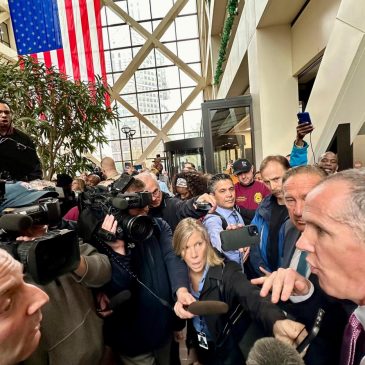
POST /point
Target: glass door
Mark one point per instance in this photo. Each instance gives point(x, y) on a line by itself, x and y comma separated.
point(228, 132)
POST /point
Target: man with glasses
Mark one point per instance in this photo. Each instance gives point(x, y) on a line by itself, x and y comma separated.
point(18, 156)
point(172, 209)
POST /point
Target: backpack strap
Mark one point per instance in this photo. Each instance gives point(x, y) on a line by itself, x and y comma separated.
point(224, 221)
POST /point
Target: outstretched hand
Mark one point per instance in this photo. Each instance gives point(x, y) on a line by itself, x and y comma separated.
point(282, 283)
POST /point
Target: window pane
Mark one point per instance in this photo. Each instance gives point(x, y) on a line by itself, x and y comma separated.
point(120, 59)
point(168, 77)
point(155, 119)
point(146, 131)
point(149, 61)
point(188, 51)
point(187, 27)
point(146, 80)
point(132, 123)
point(130, 99)
point(170, 100)
point(140, 9)
point(130, 86)
point(177, 128)
point(186, 80)
point(119, 36)
point(148, 102)
point(160, 8)
point(161, 59)
point(189, 8)
point(111, 131)
point(192, 120)
point(170, 34)
point(112, 18)
point(115, 149)
point(196, 104)
point(176, 137)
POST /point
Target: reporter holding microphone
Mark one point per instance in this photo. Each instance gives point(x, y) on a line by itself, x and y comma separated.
point(216, 337)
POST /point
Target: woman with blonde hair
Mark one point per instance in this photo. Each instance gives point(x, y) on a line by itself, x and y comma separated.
point(216, 337)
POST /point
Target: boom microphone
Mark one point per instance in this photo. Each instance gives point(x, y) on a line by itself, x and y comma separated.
point(270, 351)
point(15, 222)
point(118, 299)
point(207, 307)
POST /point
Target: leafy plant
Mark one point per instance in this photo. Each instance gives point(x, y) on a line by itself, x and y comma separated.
point(65, 119)
point(227, 28)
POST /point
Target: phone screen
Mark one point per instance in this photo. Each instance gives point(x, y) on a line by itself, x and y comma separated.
point(304, 118)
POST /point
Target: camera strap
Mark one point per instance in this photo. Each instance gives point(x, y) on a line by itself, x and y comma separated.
point(112, 256)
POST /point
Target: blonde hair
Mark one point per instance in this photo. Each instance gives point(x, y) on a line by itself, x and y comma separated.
point(183, 232)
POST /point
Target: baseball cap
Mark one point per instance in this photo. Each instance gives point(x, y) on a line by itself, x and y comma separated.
point(20, 194)
point(241, 165)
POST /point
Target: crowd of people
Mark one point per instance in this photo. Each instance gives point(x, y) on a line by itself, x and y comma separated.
point(154, 270)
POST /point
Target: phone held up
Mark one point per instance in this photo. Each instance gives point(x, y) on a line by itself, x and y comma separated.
point(241, 237)
point(304, 118)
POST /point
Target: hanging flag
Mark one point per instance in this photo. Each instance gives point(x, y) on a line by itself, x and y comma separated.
point(71, 30)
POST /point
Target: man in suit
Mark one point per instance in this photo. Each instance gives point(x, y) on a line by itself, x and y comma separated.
point(334, 237)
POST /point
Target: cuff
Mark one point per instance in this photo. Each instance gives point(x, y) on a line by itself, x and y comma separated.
point(302, 298)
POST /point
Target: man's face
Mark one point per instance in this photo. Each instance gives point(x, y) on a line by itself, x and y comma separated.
point(272, 176)
point(183, 192)
point(335, 252)
point(195, 253)
point(153, 188)
point(5, 118)
point(224, 194)
point(295, 191)
point(328, 162)
point(20, 314)
point(246, 178)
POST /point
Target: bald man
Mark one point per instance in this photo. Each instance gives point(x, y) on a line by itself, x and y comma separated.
point(109, 171)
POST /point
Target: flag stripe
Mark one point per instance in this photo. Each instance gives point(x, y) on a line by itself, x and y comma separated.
point(61, 61)
point(72, 39)
point(100, 38)
point(87, 42)
point(47, 59)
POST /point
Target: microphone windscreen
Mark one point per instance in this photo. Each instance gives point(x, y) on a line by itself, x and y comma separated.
point(207, 307)
point(15, 222)
point(119, 299)
point(120, 203)
point(271, 351)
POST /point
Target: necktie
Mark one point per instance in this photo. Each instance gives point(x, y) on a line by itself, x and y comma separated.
point(352, 332)
point(235, 216)
point(302, 264)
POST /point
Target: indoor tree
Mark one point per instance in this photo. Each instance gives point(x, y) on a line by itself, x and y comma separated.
point(65, 119)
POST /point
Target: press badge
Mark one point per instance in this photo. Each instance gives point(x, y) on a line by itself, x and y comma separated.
point(202, 340)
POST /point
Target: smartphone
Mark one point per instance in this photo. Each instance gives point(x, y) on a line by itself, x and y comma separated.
point(138, 167)
point(241, 237)
point(313, 333)
point(304, 118)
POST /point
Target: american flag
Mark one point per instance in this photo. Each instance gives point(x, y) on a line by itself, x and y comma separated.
point(68, 32)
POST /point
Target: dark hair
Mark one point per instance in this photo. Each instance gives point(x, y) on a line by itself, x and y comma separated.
point(307, 169)
point(195, 181)
point(277, 158)
point(2, 101)
point(214, 180)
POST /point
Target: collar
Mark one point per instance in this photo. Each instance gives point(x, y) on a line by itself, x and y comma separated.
point(360, 314)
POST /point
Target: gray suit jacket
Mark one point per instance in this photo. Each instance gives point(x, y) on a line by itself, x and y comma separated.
point(291, 236)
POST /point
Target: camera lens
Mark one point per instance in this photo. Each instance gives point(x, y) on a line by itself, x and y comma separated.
point(138, 228)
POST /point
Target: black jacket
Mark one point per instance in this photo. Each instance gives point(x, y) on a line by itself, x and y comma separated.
point(19, 158)
point(173, 210)
point(227, 283)
point(143, 323)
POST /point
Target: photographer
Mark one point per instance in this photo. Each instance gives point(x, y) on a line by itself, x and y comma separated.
point(140, 329)
point(18, 156)
point(66, 271)
point(20, 312)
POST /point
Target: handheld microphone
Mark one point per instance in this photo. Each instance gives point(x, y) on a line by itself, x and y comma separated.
point(207, 307)
point(271, 351)
point(15, 222)
point(118, 299)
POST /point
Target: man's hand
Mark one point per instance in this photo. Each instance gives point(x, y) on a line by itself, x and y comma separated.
point(282, 283)
point(110, 225)
point(302, 130)
point(290, 332)
point(208, 198)
point(183, 298)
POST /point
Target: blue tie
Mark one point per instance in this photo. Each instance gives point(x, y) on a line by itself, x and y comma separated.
point(302, 264)
point(235, 216)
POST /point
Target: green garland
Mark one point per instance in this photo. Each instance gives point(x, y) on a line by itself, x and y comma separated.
point(227, 28)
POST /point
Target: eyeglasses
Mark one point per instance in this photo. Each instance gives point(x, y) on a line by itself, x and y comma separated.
point(155, 193)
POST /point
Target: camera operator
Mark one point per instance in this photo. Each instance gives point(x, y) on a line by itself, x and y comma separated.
point(71, 329)
point(18, 156)
point(20, 313)
point(172, 209)
point(140, 329)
